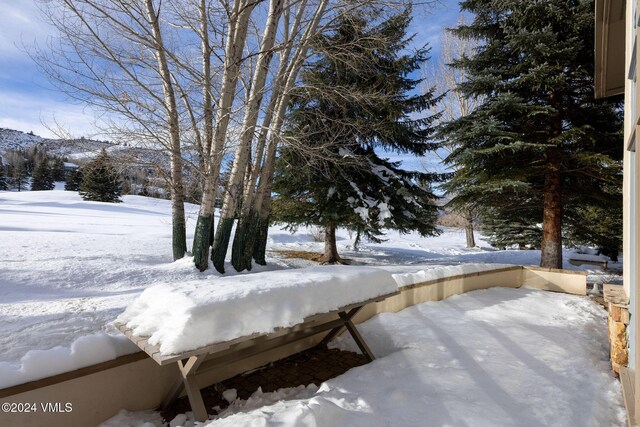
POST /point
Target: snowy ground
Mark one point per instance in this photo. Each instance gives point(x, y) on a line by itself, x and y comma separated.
point(498, 357)
point(68, 268)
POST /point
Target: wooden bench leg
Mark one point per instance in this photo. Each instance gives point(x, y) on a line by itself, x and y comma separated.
point(188, 370)
point(335, 331)
point(356, 336)
point(347, 323)
point(195, 399)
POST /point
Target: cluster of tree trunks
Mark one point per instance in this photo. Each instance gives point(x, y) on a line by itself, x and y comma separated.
point(136, 62)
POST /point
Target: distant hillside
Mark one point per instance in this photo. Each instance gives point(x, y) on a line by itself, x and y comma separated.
point(141, 167)
point(15, 140)
point(72, 148)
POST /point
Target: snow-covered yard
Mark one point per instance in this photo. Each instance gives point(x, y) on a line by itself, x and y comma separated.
point(68, 268)
point(498, 357)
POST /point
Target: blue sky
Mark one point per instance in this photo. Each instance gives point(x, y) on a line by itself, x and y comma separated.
point(27, 98)
point(28, 102)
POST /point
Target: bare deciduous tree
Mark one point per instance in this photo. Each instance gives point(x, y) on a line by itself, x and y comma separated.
point(16, 169)
point(241, 159)
point(453, 103)
point(113, 55)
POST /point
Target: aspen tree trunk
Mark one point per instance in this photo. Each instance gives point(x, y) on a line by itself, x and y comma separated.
point(259, 249)
point(252, 231)
point(262, 202)
point(250, 185)
point(276, 94)
point(179, 238)
point(236, 38)
point(234, 189)
point(205, 227)
point(245, 236)
point(249, 234)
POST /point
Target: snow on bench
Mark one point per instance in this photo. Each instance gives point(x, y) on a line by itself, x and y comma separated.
point(182, 317)
point(209, 323)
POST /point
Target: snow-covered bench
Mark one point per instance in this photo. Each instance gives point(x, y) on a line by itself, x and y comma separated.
point(208, 324)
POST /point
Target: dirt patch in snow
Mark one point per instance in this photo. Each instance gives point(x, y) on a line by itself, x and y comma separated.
point(312, 366)
point(291, 254)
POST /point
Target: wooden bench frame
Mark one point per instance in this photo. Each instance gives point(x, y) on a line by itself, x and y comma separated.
point(193, 364)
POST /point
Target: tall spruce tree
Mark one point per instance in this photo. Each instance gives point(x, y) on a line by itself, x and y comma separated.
point(100, 180)
point(57, 169)
point(355, 103)
point(42, 177)
point(73, 180)
point(539, 145)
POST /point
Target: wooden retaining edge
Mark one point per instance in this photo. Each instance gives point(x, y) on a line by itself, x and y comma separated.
point(66, 376)
point(628, 395)
point(554, 270)
point(461, 276)
point(496, 270)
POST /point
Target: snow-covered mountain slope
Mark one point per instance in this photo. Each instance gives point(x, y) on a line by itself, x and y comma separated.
point(15, 140)
point(71, 148)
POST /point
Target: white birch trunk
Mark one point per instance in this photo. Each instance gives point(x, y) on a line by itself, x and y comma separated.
point(276, 93)
point(266, 175)
point(177, 186)
point(243, 150)
point(233, 54)
point(251, 237)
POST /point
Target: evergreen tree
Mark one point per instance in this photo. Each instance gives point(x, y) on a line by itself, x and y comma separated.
point(42, 178)
point(540, 144)
point(354, 102)
point(598, 225)
point(514, 227)
point(57, 169)
point(74, 180)
point(4, 185)
point(100, 180)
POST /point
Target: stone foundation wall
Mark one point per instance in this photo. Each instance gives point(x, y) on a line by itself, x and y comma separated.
point(618, 308)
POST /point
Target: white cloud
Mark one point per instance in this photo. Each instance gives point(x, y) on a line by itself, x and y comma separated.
point(26, 104)
point(21, 23)
point(430, 21)
point(33, 112)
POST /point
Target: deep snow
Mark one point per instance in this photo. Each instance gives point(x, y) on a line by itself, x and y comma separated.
point(496, 357)
point(68, 268)
point(184, 316)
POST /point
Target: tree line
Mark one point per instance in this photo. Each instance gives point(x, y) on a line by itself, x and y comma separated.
point(31, 169)
point(99, 179)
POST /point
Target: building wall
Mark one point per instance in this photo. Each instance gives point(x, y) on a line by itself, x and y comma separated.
point(631, 188)
point(630, 113)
